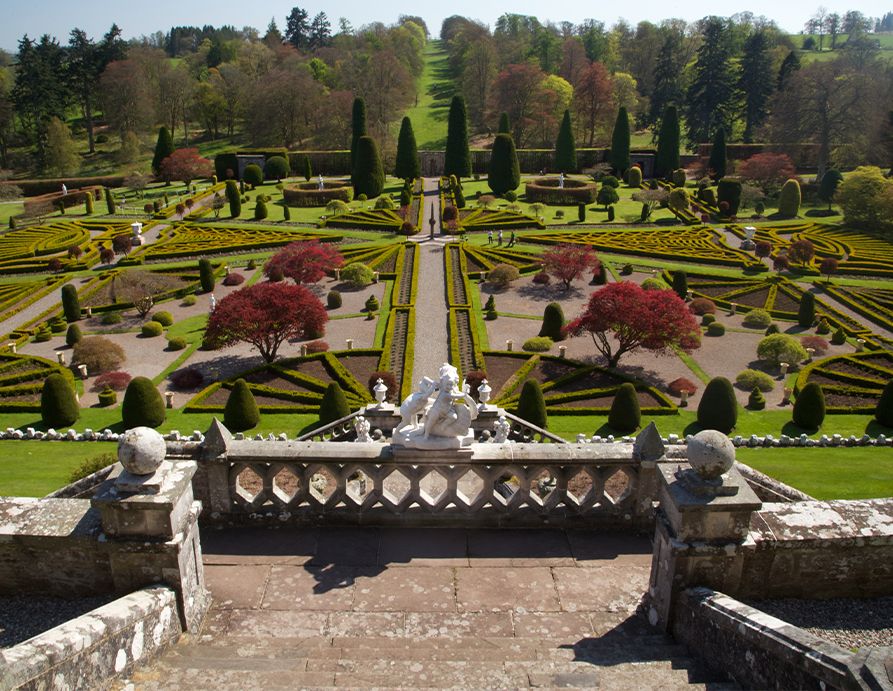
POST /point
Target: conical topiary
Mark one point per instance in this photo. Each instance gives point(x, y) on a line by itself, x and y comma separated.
point(505, 173)
point(756, 400)
point(718, 408)
point(532, 405)
point(368, 174)
point(789, 199)
point(680, 284)
point(505, 127)
point(71, 305)
point(241, 411)
point(619, 154)
point(407, 165)
point(809, 407)
point(206, 275)
point(625, 415)
point(565, 148)
point(553, 322)
point(58, 405)
point(164, 147)
point(806, 311)
point(334, 404)
point(884, 411)
point(73, 335)
point(142, 405)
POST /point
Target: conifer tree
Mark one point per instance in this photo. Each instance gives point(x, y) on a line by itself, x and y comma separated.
point(457, 158)
point(407, 165)
point(667, 90)
point(368, 174)
point(755, 82)
point(711, 98)
point(164, 147)
point(620, 143)
point(565, 148)
point(505, 174)
point(667, 158)
point(789, 65)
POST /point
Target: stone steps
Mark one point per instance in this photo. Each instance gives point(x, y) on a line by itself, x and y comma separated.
point(233, 662)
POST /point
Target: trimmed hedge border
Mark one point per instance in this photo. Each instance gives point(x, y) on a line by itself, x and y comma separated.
point(546, 191)
point(308, 194)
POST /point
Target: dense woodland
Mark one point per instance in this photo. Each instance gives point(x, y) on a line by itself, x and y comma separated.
point(832, 86)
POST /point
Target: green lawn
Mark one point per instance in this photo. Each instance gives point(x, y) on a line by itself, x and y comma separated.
point(36, 468)
point(434, 93)
point(844, 473)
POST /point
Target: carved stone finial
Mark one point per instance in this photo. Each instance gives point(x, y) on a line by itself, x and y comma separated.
point(141, 450)
point(217, 439)
point(648, 445)
point(711, 454)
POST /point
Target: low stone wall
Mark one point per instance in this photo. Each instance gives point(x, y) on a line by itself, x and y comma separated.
point(758, 650)
point(88, 651)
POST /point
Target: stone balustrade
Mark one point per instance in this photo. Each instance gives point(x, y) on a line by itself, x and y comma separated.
point(243, 481)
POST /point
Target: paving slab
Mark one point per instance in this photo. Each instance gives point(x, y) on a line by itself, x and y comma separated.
point(309, 588)
point(495, 589)
point(407, 589)
point(603, 589)
point(507, 547)
point(237, 587)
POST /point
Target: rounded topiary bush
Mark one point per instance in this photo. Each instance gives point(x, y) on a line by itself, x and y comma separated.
point(151, 329)
point(757, 319)
point(677, 386)
point(384, 204)
point(43, 335)
point(716, 329)
point(233, 278)
point(371, 304)
point(883, 413)
point(553, 322)
point(58, 405)
point(625, 415)
point(317, 346)
point(163, 317)
point(772, 329)
point(756, 400)
point(718, 408)
point(502, 275)
point(634, 177)
point(116, 381)
point(276, 168)
point(538, 344)
point(333, 300)
point(253, 175)
point(357, 275)
point(702, 306)
point(838, 337)
point(334, 404)
point(241, 412)
point(779, 348)
point(142, 405)
point(73, 335)
point(752, 378)
point(708, 319)
point(789, 199)
point(542, 278)
point(532, 405)
point(107, 397)
point(809, 407)
point(176, 343)
point(654, 284)
point(824, 327)
point(189, 300)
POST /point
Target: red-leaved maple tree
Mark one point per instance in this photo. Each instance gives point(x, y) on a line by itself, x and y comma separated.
point(303, 262)
point(624, 317)
point(185, 165)
point(265, 315)
point(570, 261)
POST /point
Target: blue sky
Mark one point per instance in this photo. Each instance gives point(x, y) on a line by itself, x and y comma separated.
point(58, 17)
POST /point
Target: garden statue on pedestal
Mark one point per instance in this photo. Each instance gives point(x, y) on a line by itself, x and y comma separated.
point(446, 423)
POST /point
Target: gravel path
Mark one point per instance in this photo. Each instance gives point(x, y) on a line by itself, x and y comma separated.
point(32, 311)
point(432, 338)
point(847, 622)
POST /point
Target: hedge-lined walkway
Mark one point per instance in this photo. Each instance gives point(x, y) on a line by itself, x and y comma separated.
point(432, 341)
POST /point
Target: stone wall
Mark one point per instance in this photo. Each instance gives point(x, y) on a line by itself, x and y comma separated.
point(757, 650)
point(88, 651)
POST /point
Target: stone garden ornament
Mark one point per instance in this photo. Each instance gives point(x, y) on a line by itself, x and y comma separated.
point(446, 423)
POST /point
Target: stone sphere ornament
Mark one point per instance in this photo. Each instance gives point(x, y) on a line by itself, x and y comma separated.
point(141, 450)
point(711, 454)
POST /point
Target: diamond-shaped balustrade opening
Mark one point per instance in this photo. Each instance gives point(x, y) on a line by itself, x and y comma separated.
point(249, 484)
point(617, 486)
point(469, 487)
point(323, 485)
point(506, 486)
point(542, 484)
point(359, 485)
point(579, 485)
point(395, 487)
point(432, 486)
point(286, 484)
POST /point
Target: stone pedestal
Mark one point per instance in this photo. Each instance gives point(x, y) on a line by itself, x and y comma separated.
point(703, 523)
point(150, 522)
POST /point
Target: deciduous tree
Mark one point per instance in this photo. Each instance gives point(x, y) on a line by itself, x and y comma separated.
point(265, 315)
point(593, 101)
point(185, 165)
point(768, 171)
point(304, 262)
point(623, 318)
point(570, 261)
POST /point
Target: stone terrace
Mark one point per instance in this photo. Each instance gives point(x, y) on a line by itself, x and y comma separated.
point(403, 607)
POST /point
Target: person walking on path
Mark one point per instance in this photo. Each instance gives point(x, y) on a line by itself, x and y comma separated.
point(489, 237)
point(499, 238)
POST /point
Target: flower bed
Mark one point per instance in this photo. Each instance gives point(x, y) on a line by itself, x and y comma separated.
point(851, 383)
point(21, 381)
point(547, 191)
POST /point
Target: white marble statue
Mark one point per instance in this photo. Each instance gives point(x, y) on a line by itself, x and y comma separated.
point(446, 423)
point(361, 427)
point(502, 427)
point(321, 183)
point(561, 181)
point(415, 404)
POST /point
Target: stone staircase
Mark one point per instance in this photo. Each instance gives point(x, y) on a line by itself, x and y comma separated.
point(626, 661)
point(424, 608)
